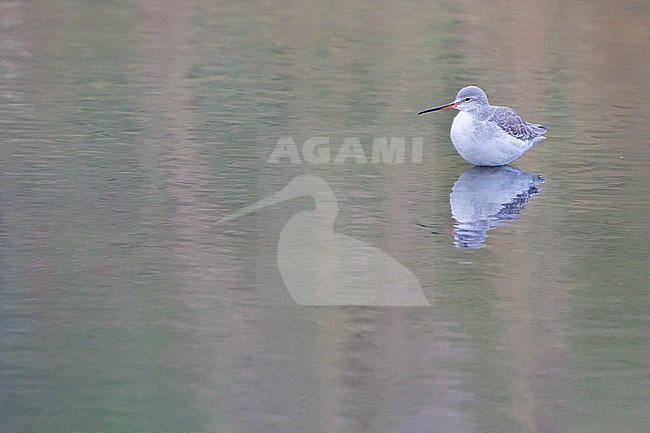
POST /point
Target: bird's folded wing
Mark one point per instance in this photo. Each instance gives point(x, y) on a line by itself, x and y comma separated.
point(510, 122)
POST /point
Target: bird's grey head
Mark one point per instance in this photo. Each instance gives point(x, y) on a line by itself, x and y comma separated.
point(472, 99)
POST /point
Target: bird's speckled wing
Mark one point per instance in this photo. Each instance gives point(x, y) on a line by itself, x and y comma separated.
point(514, 125)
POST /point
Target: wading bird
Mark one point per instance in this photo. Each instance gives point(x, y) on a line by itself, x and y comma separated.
point(488, 135)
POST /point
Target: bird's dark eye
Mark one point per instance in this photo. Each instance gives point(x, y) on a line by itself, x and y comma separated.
point(468, 99)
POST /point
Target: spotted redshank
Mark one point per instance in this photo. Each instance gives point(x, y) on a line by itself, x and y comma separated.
point(488, 135)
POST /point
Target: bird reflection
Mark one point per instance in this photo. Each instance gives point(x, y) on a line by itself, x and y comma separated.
point(487, 197)
point(322, 267)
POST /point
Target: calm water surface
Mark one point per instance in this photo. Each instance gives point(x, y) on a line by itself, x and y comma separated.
point(128, 130)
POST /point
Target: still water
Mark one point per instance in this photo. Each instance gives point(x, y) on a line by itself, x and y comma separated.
point(129, 130)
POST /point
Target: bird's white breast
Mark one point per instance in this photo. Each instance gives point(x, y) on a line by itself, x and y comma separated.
point(484, 143)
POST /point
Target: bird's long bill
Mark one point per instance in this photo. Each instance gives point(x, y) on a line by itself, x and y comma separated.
point(288, 193)
point(441, 107)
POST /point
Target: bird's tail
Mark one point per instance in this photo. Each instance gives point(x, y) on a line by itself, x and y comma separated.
point(537, 129)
